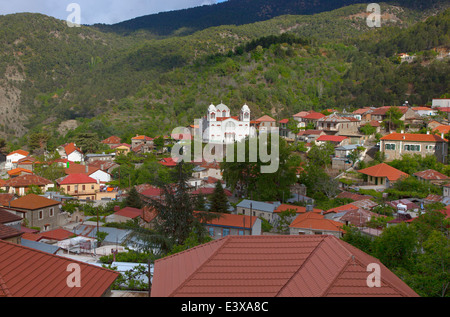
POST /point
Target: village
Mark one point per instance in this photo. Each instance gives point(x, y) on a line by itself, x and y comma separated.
point(55, 222)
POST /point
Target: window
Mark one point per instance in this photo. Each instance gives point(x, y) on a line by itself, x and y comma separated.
point(412, 147)
point(40, 214)
point(389, 146)
point(92, 186)
point(241, 232)
point(68, 188)
point(225, 232)
point(211, 231)
point(83, 187)
point(51, 212)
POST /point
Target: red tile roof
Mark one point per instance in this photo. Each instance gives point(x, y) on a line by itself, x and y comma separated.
point(314, 116)
point(27, 180)
point(168, 161)
point(342, 208)
point(112, 140)
point(272, 266)
point(56, 234)
point(383, 170)
point(284, 121)
point(142, 137)
point(297, 209)
point(7, 217)
point(70, 148)
point(442, 129)
point(6, 198)
point(77, 179)
point(26, 272)
point(353, 196)
point(315, 221)
point(431, 174)
point(7, 232)
point(331, 138)
point(129, 212)
point(413, 137)
point(75, 168)
point(21, 152)
point(18, 171)
point(232, 220)
point(210, 191)
point(33, 202)
point(265, 118)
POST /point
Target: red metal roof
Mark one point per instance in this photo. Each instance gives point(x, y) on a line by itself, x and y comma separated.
point(315, 221)
point(331, 138)
point(297, 209)
point(26, 272)
point(77, 179)
point(272, 266)
point(431, 175)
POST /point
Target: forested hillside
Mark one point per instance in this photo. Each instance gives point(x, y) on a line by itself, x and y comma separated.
point(114, 84)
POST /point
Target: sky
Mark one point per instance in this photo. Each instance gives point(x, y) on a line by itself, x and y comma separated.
point(98, 11)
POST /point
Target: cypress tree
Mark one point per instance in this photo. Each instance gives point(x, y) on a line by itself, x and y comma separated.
point(219, 200)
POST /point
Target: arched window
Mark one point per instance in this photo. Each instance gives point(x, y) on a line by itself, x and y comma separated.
point(213, 115)
point(246, 115)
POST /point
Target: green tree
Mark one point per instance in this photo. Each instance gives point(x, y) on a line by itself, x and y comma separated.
point(218, 199)
point(397, 246)
point(133, 199)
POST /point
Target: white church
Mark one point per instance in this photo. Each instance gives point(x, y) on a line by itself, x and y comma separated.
point(218, 126)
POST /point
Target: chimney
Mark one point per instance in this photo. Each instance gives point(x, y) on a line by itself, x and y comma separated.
point(87, 169)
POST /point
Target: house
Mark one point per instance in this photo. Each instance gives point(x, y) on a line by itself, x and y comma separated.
point(257, 209)
point(218, 126)
point(122, 148)
point(13, 157)
point(315, 223)
point(26, 278)
point(442, 129)
point(232, 224)
point(310, 136)
point(168, 162)
point(37, 211)
point(10, 226)
point(93, 171)
point(335, 124)
point(111, 141)
point(140, 140)
point(363, 114)
point(405, 206)
point(432, 176)
point(341, 153)
point(27, 163)
point(80, 186)
point(297, 209)
point(306, 118)
point(284, 130)
point(21, 184)
point(71, 152)
point(125, 214)
point(18, 171)
point(358, 217)
point(440, 103)
point(425, 111)
point(382, 174)
point(107, 167)
point(273, 266)
point(394, 145)
point(105, 157)
point(266, 123)
point(336, 140)
point(5, 198)
point(409, 116)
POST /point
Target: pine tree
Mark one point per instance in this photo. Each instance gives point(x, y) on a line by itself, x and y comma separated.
point(219, 200)
point(133, 199)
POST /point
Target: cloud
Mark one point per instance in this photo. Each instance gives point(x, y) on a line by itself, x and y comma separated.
point(100, 11)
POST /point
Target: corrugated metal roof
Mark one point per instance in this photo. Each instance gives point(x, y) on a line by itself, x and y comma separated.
point(272, 266)
point(258, 205)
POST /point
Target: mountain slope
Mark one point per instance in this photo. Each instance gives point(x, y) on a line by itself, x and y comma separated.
point(237, 12)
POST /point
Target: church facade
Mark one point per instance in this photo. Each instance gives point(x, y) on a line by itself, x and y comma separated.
point(218, 126)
